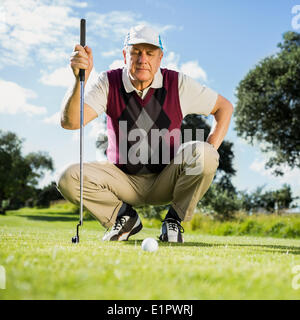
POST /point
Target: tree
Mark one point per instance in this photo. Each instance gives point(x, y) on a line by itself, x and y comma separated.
point(19, 175)
point(270, 201)
point(268, 106)
point(48, 194)
point(283, 198)
point(221, 203)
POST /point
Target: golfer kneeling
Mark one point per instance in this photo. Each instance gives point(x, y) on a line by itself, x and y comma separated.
point(147, 161)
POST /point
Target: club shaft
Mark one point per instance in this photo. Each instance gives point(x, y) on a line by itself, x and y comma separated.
point(81, 147)
point(82, 81)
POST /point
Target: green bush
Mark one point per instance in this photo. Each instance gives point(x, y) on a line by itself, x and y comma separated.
point(272, 225)
point(250, 227)
point(276, 229)
point(226, 229)
point(152, 212)
point(65, 206)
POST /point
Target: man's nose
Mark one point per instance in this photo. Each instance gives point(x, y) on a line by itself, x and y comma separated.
point(142, 57)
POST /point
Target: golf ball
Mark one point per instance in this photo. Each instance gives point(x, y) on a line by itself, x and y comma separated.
point(150, 245)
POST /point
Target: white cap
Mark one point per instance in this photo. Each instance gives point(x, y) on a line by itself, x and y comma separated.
point(143, 34)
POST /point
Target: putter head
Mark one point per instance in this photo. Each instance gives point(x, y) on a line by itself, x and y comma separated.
point(75, 239)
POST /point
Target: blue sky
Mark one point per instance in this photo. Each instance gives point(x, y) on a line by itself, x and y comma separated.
point(216, 42)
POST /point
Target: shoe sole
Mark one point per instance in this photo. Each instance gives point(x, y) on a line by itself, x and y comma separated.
point(124, 236)
point(165, 239)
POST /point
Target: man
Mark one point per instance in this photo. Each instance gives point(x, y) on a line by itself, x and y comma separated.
point(145, 105)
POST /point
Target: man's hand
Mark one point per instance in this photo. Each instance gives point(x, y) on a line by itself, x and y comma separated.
point(222, 112)
point(81, 58)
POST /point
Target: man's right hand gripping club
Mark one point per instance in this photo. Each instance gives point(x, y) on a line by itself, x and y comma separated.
point(81, 58)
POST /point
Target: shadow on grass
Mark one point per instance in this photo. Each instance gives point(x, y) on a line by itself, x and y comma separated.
point(60, 213)
point(268, 248)
point(272, 248)
point(171, 244)
point(50, 218)
point(41, 213)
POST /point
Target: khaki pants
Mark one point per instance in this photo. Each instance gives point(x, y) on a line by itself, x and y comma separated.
point(183, 182)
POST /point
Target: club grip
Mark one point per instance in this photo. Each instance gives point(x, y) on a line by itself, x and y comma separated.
point(82, 43)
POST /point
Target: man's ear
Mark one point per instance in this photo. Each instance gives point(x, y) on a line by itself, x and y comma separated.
point(124, 55)
point(161, 54)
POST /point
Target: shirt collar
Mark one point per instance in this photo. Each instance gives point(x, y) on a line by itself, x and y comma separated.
point(156, 83)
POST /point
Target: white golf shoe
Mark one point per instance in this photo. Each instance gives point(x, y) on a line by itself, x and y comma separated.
point(124, 227)
point(171, 231)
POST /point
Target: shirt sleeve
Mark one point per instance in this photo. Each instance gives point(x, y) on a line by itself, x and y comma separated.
point(96, 92)
point(194, 97)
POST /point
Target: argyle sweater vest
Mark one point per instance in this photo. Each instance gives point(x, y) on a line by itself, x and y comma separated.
point(141, 135)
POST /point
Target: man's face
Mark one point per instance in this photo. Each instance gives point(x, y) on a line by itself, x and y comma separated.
point(143, 61)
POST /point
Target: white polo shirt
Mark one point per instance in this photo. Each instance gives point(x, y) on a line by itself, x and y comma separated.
point(194, 98)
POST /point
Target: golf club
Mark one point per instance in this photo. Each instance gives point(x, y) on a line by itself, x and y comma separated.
point(81, 78)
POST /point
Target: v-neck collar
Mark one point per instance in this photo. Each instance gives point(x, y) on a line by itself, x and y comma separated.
point(147, 98)
point(129, 87)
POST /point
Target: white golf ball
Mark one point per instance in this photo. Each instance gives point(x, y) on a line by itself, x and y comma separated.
point(150, 245)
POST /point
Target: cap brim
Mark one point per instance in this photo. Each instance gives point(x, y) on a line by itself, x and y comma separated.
point(141, 40)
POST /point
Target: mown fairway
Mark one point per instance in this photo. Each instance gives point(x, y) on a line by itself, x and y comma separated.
point(41, 263)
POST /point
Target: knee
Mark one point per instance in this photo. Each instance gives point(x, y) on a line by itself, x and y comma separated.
point(202, 158)
point(68, 180)
point(211, 159)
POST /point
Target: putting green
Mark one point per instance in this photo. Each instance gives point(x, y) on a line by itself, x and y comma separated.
point(41, 263)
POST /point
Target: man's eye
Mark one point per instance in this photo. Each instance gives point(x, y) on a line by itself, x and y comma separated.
point(150, 53)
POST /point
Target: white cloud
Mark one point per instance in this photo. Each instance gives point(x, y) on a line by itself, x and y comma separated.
point(14, 99)
point(46, 31)
point(35, 29)
point(291, 176)
point(61, 77)
point(54, 119)
point(112, 53)
point(114, 25)
point(71, 3)
point(190, 68)
point(117, 64)
point(54, 56)
point(171, 61)
point(64, 77)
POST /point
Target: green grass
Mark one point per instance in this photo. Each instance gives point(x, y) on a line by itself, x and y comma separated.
point(41, 263)
point(261, 225)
